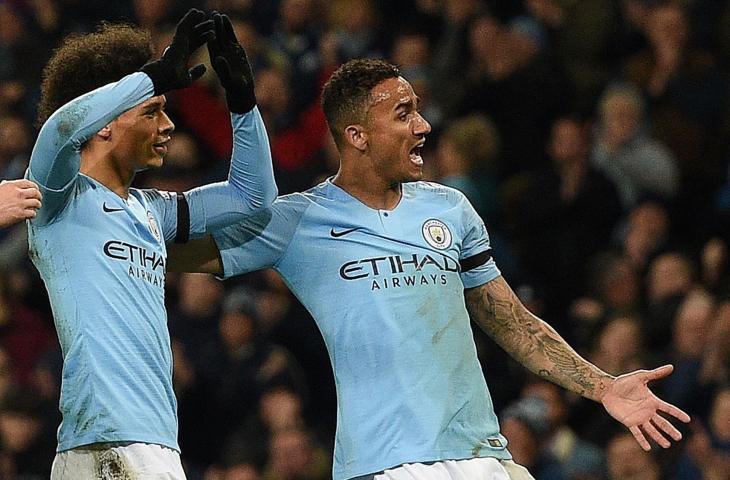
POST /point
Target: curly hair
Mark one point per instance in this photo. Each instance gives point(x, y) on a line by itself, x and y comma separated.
point(346, 94)
point(85, 62)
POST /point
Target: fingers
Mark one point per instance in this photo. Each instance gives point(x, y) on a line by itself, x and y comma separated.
point(218, 19)
point(663, 424)
point(29, 213)
point(227, 29)
point(31, 192)
point(202, 32)
point(214, 43)
point(651, 430)
point(660, 372)
point(673, 411)
point(189, 20)
point(22, 183)
point(31, 203)
point(636, 432)
point(196, 72)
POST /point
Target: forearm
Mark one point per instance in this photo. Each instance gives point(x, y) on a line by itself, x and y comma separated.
point(251, 173)
point(250, 186)
point(55, 158)
point(531, 341)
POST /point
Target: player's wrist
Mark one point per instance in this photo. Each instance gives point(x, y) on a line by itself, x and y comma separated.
point(240, 102)
point(160, 77)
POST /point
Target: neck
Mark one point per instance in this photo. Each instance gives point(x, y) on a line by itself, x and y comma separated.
point(367, 186)
point(105, 169)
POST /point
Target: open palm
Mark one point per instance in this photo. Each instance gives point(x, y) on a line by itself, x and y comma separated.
point(630, 401)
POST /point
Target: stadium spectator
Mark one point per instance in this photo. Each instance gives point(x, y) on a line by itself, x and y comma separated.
point(466, 160)
point(525, 424)
point(26, 440)
point(626, 461)
point(688, 352)
point(670, 277)
point(637, 164)
point(579, 459)
point(707, 456)
point(567, 203)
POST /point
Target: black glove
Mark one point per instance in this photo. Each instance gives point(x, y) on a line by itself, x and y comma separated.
point(230, 63)
point(171, 71)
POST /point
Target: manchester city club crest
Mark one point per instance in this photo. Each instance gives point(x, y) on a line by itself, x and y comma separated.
point(437, 234)
point(153, 226)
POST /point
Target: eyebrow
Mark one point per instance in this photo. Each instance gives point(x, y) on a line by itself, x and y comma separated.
point(157, 104)
point(407, 103)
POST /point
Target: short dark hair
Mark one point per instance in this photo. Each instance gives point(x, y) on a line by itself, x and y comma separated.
point(85, 62)
point(347, 92)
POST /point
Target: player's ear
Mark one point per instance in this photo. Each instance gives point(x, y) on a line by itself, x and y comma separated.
point(105, 133)
point(356, 136)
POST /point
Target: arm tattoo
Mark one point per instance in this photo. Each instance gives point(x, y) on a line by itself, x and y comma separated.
point(531, 341)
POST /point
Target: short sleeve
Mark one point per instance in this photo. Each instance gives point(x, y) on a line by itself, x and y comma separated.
point(475, 258)
point(262, 239)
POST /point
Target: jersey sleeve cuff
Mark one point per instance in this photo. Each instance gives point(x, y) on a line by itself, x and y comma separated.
point(480, 275)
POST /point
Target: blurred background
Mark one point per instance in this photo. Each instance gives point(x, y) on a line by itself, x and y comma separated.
point(592, 137)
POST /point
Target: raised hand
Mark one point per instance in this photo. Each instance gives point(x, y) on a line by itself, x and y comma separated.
point(171, 72)
point(19, 200)
point(630, 401)
point(231, 64)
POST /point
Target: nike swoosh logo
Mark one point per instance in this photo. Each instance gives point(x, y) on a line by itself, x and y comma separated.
point(109, 210)
point(342, 232)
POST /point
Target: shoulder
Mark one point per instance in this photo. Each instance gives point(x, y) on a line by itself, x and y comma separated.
point(434, 191)
point(301, 201)
point(152, 195)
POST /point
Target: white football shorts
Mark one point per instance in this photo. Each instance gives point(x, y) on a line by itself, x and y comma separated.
point(469, 469)
point(125, 461)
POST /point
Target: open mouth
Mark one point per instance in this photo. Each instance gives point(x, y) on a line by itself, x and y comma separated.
point(161, 147)
point(415, 155)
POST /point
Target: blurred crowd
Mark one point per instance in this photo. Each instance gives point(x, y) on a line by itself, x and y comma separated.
point(593, 138)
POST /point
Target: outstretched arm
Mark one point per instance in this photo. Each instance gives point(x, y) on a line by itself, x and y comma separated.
point(537, 346)
point(250, 185)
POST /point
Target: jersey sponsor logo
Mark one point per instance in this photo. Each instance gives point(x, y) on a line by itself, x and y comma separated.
point(436, 234)
point(142, 264)
point(110, 209)
point(396, 271)
point(153, 225)
point(341, 233)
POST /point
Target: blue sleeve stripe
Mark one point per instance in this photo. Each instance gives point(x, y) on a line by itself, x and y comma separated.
point(182, 235)
point(475, 260)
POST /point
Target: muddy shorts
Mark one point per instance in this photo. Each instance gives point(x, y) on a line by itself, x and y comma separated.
point(127, 461)
point(470, 469)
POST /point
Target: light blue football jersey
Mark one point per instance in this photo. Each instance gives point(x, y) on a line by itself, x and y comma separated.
point(102, 258)
point(386, 289)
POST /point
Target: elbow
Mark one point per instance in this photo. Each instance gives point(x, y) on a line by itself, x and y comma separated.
point(270, 195)
point(260, 200)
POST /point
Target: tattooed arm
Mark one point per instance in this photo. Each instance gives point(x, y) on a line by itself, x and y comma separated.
point(531, 341)
point(537, 346)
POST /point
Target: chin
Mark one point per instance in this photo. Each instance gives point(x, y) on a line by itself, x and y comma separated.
point(156, 162)
point(415, 176)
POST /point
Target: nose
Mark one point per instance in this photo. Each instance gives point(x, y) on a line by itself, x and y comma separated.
point(166, 125)
point(421, 126)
